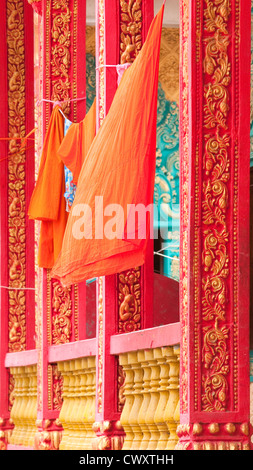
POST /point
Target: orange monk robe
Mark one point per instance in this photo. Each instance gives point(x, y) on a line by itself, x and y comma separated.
point(120, 167)
point(47, 202)
point(77, 141)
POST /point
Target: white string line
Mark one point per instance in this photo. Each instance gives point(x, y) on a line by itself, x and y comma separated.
point(17, 288)
point(165, 256)
point(166, 247)
point(59, 102)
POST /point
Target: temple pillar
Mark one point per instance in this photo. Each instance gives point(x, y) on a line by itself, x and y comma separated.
point(214, 296)
point(60, 313)
point(121, 28)
point(16, 233)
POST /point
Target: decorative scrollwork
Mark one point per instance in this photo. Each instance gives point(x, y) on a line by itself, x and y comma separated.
point(216, 165)
point(60, 52)
point(129, 297)
point(16, 175)
point(61, 314)
point(130, 29)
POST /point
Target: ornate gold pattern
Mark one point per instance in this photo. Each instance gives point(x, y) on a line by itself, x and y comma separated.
point(130, 29)
point(110, 435)
point(129, 298)
point(100, 345)
point(11, 391)
point(16, 174)
point(6, 429)
point(230, 436)
point(169, 63)
point(49, 435)
point(184, 136)
point(101, 71)
point(60, 52)
point(55, 388)
point(90, 40)
point(121, 385)
point(61, 313)
point(215, 257)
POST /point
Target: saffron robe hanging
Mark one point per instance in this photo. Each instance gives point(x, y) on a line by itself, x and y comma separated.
point(77, 141)
point(47, 202)
point(120, 169)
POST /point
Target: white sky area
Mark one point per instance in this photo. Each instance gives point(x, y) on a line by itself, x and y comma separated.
point(171, 12)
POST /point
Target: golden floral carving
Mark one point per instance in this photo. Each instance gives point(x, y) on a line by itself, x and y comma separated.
point(100, 344)
point(61, 314)
point(129, 298)
point(101, 71)
point(16, 174)
point(121, 387)
point(11, 391)
point(60, 52)
point(216, 360)
point(184, 206)
point(216, 165)
point(169, 63)
point(57, 384)
point(130, 29)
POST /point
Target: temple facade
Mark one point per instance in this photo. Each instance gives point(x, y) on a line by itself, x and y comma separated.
point(156, 357)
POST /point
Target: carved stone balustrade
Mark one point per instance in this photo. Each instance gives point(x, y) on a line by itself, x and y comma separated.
point(151, 412)
point(77, 414)
point(24, 410)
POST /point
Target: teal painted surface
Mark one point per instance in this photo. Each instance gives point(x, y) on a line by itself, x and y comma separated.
point(90, 80)
point(166, 194)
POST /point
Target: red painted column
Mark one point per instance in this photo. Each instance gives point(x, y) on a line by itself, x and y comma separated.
point(63, 79)
point(4, 402)
point(107, 426)
point(17, 325)
point(120, 33)
point(214, 293)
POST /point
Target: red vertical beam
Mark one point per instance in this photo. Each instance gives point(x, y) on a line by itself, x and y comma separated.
point(109, 45)
point(29, 171)
point(64, 79)
point(78, 111)
point(26, 236)
point(4, 413)
point(214, 293)
point(107, 415)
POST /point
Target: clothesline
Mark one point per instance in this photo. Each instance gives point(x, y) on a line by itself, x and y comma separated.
point(164, 256)
point(166, 247)
point(113, 65)
point(17, 288)
point(16, 153)
point(57, 102)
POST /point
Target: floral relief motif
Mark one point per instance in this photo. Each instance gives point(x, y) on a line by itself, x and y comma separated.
point(60, 52)
point(130, 29)
point(216, 359)
point(61, 314)
point(16, 175)
point(216, 165)
point(57, 388)
point(129, 297)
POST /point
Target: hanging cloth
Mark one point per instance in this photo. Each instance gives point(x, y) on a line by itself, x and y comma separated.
point(120, 169)
point(77, 142)
point(47, 202)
